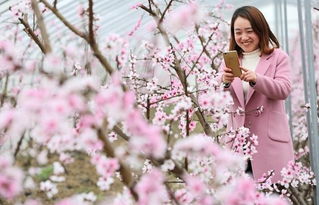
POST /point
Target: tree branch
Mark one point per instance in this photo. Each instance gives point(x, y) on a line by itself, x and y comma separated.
point(91, 23)
point(295, 193)
point(40, 22)
point(203, 50)
point(63, 20)
point(97, 53)
point(166, 9)
point(180, 73)
point(32, 35)
point(126, 173)
point(55, 3)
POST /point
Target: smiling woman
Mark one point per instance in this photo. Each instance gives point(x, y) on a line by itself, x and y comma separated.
point(245, 36)
point(264, 83)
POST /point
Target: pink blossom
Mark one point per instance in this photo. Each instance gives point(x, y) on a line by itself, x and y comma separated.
point(184, 196)
point(195, 185)
point(135, 6)
point(138, 24)
point(185, 16)
point(32, 202)
point(10, 178)
point(192, 125)
point(151, 191)
point(106, 167)
point(146, 138)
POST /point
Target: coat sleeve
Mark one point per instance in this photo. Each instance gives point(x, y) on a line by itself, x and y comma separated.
point(278, 87)
point(219, 77)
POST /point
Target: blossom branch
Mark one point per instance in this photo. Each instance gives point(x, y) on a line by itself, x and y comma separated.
point(125, 172)
point(171, 194)
point(202, 41)
point(203, 50)
point(181, 74)
point(175, 96)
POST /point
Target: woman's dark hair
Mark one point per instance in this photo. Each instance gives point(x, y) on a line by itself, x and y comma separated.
point(259, 26)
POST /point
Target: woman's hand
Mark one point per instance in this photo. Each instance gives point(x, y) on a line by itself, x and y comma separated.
point(248, 75)
point(228, 75)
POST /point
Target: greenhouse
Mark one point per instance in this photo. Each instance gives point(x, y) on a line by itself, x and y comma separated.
point(151, 102)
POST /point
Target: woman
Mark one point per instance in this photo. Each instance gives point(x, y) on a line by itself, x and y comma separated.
point(260, 91)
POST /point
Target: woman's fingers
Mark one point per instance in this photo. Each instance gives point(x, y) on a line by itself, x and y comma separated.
point(244, 69)
point(248, 76)
point(227, 70)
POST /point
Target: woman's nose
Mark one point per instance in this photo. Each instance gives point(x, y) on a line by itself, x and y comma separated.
point(244, 37)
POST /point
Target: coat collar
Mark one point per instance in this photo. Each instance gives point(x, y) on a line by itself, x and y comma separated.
point(261, 69)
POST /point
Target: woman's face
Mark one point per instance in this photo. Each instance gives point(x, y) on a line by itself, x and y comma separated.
point(245, 36)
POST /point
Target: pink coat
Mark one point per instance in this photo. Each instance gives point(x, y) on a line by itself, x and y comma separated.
point(272, 87)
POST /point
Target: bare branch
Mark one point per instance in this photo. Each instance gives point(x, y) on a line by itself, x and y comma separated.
point(91, 23)
point(40, 22)
point(148, 10)
point(97, 53)
point(63, 20)
point(166, 9)
point(5, 90)
point(118, 131)
point(55, 3)
point(18, 146)
point(32, 35)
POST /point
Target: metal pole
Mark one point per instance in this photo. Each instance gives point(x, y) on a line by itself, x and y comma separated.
point(286, 47)
point(303, 54)
point(277, 31)
point(280, 20)
point(309, 83)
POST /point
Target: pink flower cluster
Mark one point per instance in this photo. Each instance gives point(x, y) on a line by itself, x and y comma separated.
point(152, 191)
point(216, 103)
point(243, 191)
point(9, 57)
point(242, 141)
point(295, 173)
point(20, 9)
point(105, 167)
point(118, 106)
point(184, 17)
point(117, 49)
point(208, 160)
point(11, 178)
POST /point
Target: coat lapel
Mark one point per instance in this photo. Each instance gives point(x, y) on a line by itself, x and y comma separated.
point(261, 69)
point(238, 89)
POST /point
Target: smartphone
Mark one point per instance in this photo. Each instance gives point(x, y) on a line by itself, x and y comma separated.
point(232, 61)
